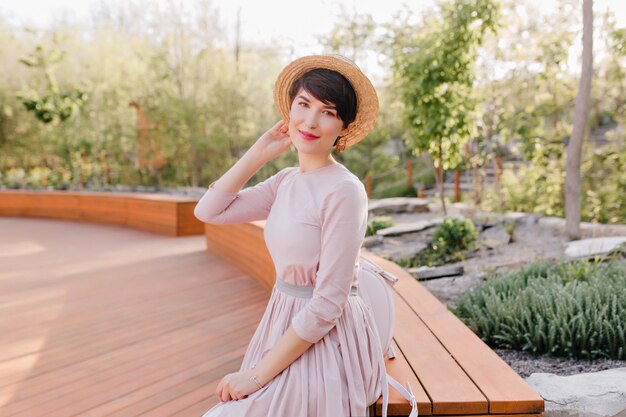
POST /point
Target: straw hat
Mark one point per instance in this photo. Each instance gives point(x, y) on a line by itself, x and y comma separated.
point(367, 99)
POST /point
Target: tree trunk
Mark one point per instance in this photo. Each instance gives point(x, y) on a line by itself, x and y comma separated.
point(581, 112)
point(457, 186)
point(440, 178)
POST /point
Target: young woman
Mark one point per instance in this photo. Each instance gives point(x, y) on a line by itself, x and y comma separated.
point(316, 351)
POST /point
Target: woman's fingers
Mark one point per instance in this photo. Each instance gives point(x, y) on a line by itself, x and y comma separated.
point(218, 390)
point(225, 396)
point(278, 126)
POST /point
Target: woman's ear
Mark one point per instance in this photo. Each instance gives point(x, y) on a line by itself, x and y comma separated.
point(343, 132)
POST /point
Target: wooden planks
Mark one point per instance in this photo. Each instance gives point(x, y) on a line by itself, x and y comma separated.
point(244, 246)
point(156, 213)
point(401, 371)
point(101, 321)
point(505, 391)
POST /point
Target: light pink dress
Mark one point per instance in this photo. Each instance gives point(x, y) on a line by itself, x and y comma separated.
point(316, 222)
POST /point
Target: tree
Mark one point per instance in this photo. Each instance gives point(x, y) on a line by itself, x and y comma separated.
point(353, 37)
point(434, 68)
point(581, 112)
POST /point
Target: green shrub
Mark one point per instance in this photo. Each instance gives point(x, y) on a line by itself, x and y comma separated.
point(400, 190)
point(450, 242)
point(377, 223)
point(575, 309)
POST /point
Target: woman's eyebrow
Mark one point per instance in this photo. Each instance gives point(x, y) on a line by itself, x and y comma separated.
point(329, 106)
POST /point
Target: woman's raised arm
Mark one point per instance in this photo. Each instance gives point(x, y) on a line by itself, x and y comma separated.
point(217, 205)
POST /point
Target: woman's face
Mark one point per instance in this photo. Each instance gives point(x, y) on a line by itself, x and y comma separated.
point(313, 124)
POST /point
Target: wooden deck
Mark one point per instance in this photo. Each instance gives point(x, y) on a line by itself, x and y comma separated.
point(105, 320)
point(101, 320)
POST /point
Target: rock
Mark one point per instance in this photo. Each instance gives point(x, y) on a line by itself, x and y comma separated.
point(417, 226)
point(398, 205)
point(426, 272)
point(596, 229)
point(586, 229)
point(597, 394)
point(593, 246)
point(484, 220)
point(553, 222)
point(494, 243)
point(371, 241)
point(464, 209)
point(522, 218)
point(400, 248)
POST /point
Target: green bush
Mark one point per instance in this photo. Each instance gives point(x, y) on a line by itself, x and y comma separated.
point(538, 188)
point(450, 242)
point(575, 309)
point(377, 223)
point(401, 190)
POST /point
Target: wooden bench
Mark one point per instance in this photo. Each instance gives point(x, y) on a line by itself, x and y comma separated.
point(451, 371)
point(156, 213)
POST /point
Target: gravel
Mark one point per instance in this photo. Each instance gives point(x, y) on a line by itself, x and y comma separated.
point(525, 363)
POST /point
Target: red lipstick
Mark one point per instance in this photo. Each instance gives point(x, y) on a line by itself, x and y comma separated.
point(307, 135)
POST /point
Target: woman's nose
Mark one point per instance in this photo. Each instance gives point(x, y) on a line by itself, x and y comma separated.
point(311, 119)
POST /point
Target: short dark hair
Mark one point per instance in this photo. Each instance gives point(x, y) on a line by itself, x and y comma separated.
point(328, 86)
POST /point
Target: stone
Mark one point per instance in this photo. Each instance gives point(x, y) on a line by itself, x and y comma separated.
point(586, 229)
point(426, 272)
point(593, 246)
point(373, 240)
point(596, 229)
point(514, 215)
point(417, 226)
point(464, 209)
point(553, 222)
point(494, 243)
point(522, 218)
point(596, 394)
point(396, 249)
point(398, 205)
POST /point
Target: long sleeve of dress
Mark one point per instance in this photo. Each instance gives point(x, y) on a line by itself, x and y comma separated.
point(218, 206)
point(343, 226)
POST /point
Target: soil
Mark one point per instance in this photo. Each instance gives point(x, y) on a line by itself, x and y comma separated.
point(531, 243)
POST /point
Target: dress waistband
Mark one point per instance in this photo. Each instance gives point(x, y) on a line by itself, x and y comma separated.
point(302, 291)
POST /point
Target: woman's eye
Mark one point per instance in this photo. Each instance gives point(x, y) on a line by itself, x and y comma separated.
point(330, 113)
point(303, 104)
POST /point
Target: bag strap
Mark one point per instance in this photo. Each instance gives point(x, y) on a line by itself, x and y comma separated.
point(407, 393)
point(374, 267)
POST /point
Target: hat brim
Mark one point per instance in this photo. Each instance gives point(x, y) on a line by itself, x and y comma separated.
point(367, 99)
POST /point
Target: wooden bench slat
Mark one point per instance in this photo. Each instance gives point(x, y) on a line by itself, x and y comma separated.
point(448, 387)
point(506, 391)
point(158, 213)
point(401, 371)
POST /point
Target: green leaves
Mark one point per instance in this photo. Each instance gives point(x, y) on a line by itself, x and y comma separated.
point(449, 243)
point(54, 108)
point(570, 309)
point(377, 223)
point(434, 70)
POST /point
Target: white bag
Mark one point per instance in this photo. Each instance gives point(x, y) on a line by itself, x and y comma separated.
point(374, 289)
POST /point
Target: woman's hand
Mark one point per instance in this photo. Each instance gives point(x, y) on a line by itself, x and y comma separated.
point(274, 142)
point(236, 386)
